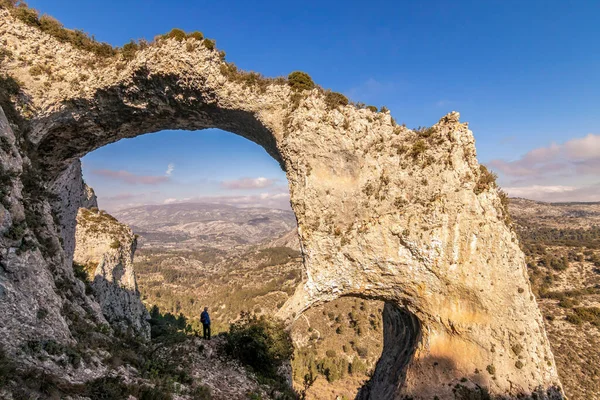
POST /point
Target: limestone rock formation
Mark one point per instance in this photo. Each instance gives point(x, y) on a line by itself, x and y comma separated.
point(72, 194)
point(384, 212)
point(105, 248)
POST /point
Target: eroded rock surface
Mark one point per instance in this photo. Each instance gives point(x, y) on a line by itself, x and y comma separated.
point(383, 212)
point(105, 248)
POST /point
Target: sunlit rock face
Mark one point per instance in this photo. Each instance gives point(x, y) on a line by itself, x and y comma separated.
point(383, 212)
point(104, 249)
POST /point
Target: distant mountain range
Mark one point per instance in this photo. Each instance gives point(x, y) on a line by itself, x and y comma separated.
point(198, 225)
point(555, 215)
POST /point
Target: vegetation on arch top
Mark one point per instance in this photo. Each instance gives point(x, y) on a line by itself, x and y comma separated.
point(297, 80)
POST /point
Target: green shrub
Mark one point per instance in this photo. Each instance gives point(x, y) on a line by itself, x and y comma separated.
point(128, 51)
point(9, 4)
point(42, 313)
point(333, 368)
point(574, 319)
point(53, 348)
point(363, 352)
point(330, 353)
point(357, 367)
point(176, 34)
point(167, 327)
point(418, 148)
point(259, 342)
point(27, 15)
point(486, 180)
point(587, 314)
point(424, 131)
point(372, 108)
point(334, 100)
point(39, 70)
point(504, 201)
point(567, 303)
point(53, 26)
point(299, 80)
point(491, 369)
point(107, 388)
point(115, 244)
point(196, 35)
point(209, 44)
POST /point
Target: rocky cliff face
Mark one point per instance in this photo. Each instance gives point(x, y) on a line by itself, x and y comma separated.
point(384, 212)
point(105, 248)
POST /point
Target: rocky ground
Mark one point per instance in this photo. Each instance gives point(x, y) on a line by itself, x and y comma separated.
point(214, 375)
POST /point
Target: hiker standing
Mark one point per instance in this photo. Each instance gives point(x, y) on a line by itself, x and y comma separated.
point(205, 320)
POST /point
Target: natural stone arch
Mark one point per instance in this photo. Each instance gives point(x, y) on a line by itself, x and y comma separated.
point(383, 212)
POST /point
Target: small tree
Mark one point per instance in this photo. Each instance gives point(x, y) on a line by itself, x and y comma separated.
point(487, 180)
point(196, 35)
point(129, 50)
point(259, 342)
point(299, 80)
point(176, 34)
point(209, 44)
point(334, 100)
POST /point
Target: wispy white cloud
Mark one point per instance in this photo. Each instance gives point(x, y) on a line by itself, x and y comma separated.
point(248, 183)
point(123, 196)
point(581, 155)
point(170, 169)
point(130, 178)
point(537, 173)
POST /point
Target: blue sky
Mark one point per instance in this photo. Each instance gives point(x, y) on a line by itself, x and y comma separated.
point(524, 74)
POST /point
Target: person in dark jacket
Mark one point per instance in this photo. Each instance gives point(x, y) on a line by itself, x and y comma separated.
point(205, 320)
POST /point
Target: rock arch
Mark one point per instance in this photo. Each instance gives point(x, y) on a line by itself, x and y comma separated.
point(383, 212)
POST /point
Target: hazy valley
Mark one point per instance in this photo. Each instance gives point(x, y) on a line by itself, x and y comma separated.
point(190, 226)
point(245, 265)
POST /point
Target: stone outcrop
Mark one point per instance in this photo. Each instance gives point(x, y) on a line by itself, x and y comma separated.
point(384, 212)
point(72, 194)
point(104, 248)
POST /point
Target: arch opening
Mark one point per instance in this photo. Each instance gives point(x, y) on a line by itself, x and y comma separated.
point(207, 201)
point(401, 337)
point(182, 265)
point(123, 112)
